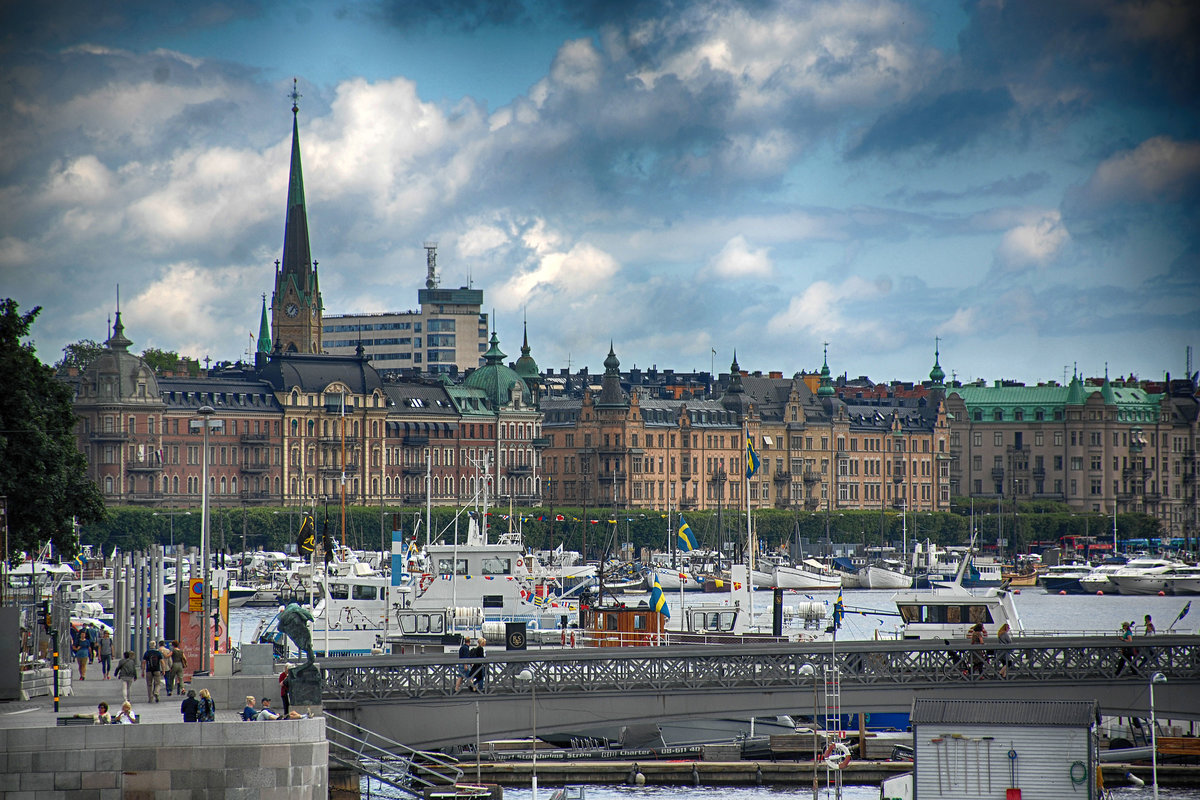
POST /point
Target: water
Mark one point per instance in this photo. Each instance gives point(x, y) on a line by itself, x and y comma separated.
point(795, 792)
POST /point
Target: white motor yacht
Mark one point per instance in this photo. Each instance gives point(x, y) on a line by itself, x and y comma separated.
point(1100, 580)
point(1183, 580)
point(1143, 576)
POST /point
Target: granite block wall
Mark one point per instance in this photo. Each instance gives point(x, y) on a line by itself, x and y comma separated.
point(283, 760)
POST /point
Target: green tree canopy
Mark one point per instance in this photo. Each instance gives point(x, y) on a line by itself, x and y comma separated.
point(42, 472)
point(161, 360)
point(78, 354)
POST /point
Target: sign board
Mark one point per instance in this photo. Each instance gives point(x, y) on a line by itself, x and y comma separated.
point(196, 595)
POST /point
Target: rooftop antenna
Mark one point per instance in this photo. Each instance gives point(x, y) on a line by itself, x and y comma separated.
point(1189, 362)
point(431, 279)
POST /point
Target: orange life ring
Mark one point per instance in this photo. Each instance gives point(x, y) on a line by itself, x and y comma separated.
point(520, 563)
point(426, 582)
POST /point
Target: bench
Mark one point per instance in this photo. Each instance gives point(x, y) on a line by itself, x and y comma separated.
point(76, 719)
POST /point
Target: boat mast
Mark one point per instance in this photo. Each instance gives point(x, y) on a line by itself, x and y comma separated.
point(749, 531)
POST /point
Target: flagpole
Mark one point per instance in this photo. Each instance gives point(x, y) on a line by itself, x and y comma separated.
point(749, 534)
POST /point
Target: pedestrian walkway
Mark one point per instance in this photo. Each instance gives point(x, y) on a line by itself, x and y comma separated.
point(85, 695)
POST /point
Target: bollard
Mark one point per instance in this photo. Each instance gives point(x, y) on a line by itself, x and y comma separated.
point(695, 775)
point(758, 775)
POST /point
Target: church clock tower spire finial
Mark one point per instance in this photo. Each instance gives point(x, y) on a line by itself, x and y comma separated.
point(296, 301)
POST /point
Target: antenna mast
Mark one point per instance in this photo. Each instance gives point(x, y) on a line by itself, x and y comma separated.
point(431, 279)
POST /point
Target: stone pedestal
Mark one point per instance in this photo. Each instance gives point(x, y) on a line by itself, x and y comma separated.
point(258, 659)
point(306, 683)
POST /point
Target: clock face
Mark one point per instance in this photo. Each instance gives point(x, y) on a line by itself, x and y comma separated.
point(292, 309)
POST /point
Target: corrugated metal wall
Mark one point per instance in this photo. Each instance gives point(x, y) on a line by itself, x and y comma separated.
point(966, 766)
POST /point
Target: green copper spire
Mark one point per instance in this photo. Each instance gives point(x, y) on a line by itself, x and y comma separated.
point(297, 254)
point(1075, 391)
point(937, 378)
point(826, 387)
point(264, 329)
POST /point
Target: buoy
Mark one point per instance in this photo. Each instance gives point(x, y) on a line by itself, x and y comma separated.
point(1162, 594)
point(639, 779)
point(1062, 591)
point(1134, 779)
point(1100, 591)
point(1016, 591)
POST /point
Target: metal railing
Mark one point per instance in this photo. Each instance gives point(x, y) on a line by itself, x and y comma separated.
point(388, 761)
point(765, 666)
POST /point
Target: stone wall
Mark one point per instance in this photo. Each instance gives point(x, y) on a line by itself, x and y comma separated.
point(284, 759)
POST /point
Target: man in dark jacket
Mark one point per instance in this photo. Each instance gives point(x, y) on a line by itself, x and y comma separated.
point(190, 707)
point(152, 664)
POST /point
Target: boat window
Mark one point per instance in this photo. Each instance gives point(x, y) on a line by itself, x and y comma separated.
point(910, 613)
point(422, 623)
point(444, 566)
point(493, 601)
point(361, 592)
point(339, 591)
point(641, 622)
point(978, 614)
point(496, 566)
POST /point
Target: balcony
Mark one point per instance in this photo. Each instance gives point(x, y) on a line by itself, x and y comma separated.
point(414, 440)
point(255, 466)
point(525, 469)
point(108, 436)
point(810, 503)
point(144, 466)
point(810, 476)
point(1039, 473)
point(1050, 496)
point(782, 477)
point(144, 497)
point(255, 438)
point(998, 474)
point(257, 497)
point(541, 442)
point(1153, 497)
point(688, 503)
point(414, 469)
point(337, 441)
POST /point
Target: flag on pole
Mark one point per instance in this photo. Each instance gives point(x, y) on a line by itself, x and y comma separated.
point(687, 539)
point(658, 601)
point(839, 610)
point(752, 460)
point(306, 540)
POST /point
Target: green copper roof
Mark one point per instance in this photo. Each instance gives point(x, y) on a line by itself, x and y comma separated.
point(936, 376)
point(826, 387)
point(264, 330)
point(526, 367)
point(495, 379)
point(1133, 404)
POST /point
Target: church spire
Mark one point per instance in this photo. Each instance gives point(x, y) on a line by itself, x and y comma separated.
point(297, 255)
point(937, 376)
point(826, 387)
point(264, 330)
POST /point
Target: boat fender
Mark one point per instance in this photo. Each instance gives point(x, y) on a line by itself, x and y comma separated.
point(837, 756)
point(1134, 779)
point(758, 775)
point(695, 775)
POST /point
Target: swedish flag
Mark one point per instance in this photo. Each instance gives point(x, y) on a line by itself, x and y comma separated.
point(79, 563)
point(839, 610)
point(658, 600)
point(753, 462)
point(687, 539)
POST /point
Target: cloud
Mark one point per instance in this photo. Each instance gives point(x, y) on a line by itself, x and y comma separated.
point(963, 322)
point(1032, 244)
point(1159, 171)
point(738, 260)
point(1012, 186)
point(827, 309)
point(944, 123)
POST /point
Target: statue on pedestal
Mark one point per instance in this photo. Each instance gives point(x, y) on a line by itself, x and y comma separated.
point(305, 680)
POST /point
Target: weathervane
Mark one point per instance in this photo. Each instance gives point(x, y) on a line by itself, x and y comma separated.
point(295, 96)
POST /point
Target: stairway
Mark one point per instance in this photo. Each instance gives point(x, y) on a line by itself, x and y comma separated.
point(399, 766)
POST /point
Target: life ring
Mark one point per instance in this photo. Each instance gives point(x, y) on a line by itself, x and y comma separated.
point(837, 756)
point(426, 582)
point(520, 562)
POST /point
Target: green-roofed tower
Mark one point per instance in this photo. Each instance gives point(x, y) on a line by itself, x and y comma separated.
point(496, 380)
point(826, 387)
point(296, 301)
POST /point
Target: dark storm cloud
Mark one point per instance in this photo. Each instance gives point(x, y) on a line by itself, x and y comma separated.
point(1013, 186)
point(1143, 53)
point(944, 123)
point(25, 26)
point(471, 15)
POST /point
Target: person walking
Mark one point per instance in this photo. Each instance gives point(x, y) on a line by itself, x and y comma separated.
point(1149, 628)
point(1128, 653)
point(81, 648)
point(978, 657)
point(478, 668)
point(152, 664)
point(1004, 636)
point(464, 670)
point(106, 654)
point(126, 672)
point(165, 652)
point(178, 665)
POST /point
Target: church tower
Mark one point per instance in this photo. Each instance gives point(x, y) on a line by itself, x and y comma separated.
point(296, 302)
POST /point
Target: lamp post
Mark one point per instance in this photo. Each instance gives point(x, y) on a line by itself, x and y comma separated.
point(1157, 677)
point(527, 676)
point(809, 670)
point(204, 424)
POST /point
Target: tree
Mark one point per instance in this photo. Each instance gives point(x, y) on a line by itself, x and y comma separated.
point(161, 360)
point(42, 472)
point(78, 354)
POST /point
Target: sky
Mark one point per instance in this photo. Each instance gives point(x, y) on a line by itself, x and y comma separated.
point(1015, 179)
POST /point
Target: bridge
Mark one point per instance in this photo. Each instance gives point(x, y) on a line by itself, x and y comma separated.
point(411, 698)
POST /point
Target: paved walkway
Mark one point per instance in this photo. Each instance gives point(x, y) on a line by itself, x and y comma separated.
point(85, 695)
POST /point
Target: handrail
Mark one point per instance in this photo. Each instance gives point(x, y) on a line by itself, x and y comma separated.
point(418, 764)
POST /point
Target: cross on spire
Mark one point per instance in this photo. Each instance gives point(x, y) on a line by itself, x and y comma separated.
point(295, 96)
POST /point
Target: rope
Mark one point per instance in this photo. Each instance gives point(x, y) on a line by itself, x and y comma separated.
point(1078, 773)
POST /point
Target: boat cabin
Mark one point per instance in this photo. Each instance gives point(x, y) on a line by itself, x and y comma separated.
point(621, 626)
point(948, 612)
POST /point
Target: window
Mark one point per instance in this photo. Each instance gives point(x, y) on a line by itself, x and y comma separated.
point(998, 439)
point(444, 566)
point(1058, 438)
point(496, 566)
point(1039, 438)
point(977, 439)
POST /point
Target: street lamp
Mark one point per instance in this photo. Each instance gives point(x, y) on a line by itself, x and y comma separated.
point(204, 424)
point(808, 670)
point(527, 676)
point(1157, 677)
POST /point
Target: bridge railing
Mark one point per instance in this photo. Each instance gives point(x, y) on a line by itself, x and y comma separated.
point(1060, 659)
